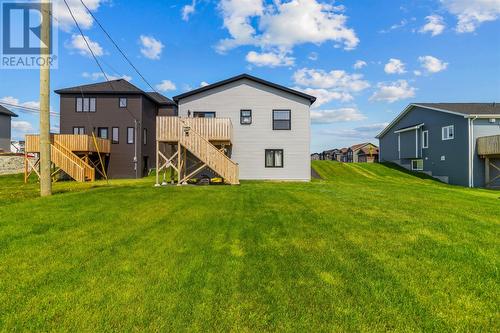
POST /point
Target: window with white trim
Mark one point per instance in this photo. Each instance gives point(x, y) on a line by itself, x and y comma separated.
point(425, 139)
point(85, 104)
point(79, 130)
point(130, 135)
point(448, 132)
point(417, 165)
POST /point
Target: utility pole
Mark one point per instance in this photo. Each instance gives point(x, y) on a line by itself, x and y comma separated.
point(45, 178)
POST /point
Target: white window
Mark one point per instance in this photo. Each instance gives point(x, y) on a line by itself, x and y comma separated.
point(78, 130)
point(417, 165)
point(448, 132)
point(130, 135)
point(85, 104)
point(425, 139)
point(115, 135)
point(123, 102)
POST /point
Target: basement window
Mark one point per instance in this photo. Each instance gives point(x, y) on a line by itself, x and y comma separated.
point(274, 158)
point(417, 165)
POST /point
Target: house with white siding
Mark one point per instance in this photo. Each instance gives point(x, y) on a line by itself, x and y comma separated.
point(240, 128)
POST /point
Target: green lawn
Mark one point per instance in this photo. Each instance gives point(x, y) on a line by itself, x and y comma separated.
point(369, 248)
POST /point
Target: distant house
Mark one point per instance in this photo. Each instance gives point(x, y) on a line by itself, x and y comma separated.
point(458, 143)
point(315, 157)
point(331, 155)
point(368, 154)
point(353, 151)
point(343, 154)
point(5, 128)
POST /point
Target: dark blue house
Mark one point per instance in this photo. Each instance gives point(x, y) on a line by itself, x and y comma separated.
point(458, 143)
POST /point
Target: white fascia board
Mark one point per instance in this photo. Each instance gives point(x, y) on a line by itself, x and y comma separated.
point(416, 127)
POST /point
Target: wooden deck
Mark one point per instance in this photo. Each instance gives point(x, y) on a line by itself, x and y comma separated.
point(205, 138)
point(213, 129)
point(489, 146)
point(75, 143)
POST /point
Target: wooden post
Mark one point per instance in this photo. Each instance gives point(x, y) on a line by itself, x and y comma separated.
point(178, 162)
point(157, 163)
point(486, 171)
point(25, 166)
point(45, 177)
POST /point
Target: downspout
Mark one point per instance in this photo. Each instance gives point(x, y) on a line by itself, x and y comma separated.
point(135, 147)
point(472, 150)
point(469, 146)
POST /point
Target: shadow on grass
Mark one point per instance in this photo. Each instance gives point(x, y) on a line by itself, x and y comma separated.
point(420, 175)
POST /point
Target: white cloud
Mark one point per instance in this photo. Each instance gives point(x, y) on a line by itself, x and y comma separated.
point(324, 96)
point(417, 73)
point(359, 64)
point(22, 126)
point(78, 44)
point(336, 116)
point(335, 79)
point(98, 76)
point(472, 13)
point(16, 101)
point(63, 18)
point(360, 133)
point(313, 22)
point(204, 84)
point(269, 59)
point(188, 10)
point(435, 25)
point(393, 91)
point(395, 66)
point(432, 64)
point(166, 85)
point(151, 47)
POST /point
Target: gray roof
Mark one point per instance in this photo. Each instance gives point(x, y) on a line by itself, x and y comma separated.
point(7, 112)
point(311, 99)
point(119, 86)
point(465, 108)
point(160, 99)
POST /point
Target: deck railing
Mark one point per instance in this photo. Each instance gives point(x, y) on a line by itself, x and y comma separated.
point(488, 145)
point(212, 129)
point(75, 143)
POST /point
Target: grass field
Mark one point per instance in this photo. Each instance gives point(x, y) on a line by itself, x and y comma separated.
point(370, 248)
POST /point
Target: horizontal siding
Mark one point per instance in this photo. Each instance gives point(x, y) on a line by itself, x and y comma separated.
point(251, 141)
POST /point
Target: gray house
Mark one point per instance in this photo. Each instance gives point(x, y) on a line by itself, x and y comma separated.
point(5, 129)
point(458, 143)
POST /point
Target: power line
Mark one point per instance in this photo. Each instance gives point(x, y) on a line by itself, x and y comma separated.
point(94, 56)
point(117, 47)
point(27, 108)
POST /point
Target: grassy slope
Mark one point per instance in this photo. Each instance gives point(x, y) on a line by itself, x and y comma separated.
point(368, 249)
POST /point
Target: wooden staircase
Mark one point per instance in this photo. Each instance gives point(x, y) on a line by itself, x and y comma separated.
point(204, 138)
point(65, 150)
point(70, 163)
point(206, 152)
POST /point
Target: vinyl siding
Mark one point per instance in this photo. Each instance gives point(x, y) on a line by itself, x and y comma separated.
point(5, 133)
point(251, 141)
point(455, 152)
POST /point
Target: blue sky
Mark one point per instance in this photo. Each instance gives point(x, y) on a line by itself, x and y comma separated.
point(405, 51)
